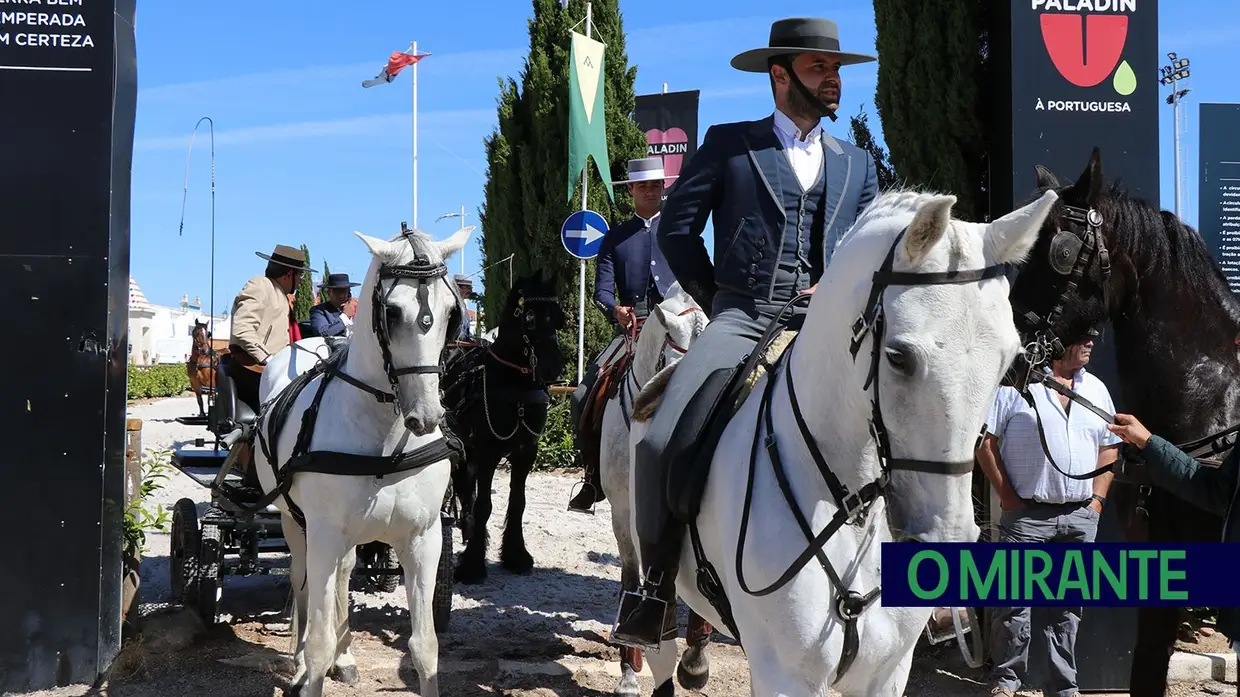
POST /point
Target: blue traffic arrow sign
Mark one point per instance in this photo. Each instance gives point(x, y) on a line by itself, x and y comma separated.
point(582, 234)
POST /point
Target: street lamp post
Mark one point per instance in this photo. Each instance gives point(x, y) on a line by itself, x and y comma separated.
point(460, 215)
point(1171, 74)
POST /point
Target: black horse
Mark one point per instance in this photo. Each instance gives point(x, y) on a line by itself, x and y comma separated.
point(496, 397)
point(1103, 255)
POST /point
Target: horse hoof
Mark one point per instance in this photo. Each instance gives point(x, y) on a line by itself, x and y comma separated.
point(667, 689)
point(690, 679)
point(346, 675)
point(470, 574)
point(628, 687)
point(518, 562)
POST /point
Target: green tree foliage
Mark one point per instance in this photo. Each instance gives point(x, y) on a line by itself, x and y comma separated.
point(859, 126)
point(527, 165)
point(932, 99)
point(305, 293)
point(326, 272)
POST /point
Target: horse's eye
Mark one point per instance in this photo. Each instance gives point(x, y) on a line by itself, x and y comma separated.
point(900, 361)
point(393, 314)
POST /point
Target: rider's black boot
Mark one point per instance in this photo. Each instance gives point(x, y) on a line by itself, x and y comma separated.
point(649, 617)
point(591, 491)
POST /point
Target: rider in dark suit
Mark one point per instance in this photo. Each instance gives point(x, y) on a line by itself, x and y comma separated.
point(327, 318)
point(630, 278)
point(781, 192)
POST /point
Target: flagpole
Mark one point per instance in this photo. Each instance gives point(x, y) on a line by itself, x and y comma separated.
point(581, 276)
point(415, 137)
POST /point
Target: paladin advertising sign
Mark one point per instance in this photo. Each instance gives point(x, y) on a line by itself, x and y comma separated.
point(1072, 75)
point(1085, 42)
point(670, 121)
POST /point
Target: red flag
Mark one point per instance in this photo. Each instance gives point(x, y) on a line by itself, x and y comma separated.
point(397, 62)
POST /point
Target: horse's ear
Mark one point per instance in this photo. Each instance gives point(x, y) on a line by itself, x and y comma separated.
point(1009, 239)
point(1046, 178)
point(379, 248)
point(1089, 186)
point(928, 226)
point(453, 244)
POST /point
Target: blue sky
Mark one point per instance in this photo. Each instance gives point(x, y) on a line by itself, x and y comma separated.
point(304, 154)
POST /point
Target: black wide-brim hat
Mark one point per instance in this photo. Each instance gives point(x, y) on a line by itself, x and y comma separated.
point(338, 280)
point(799, 35)
point(291, 257)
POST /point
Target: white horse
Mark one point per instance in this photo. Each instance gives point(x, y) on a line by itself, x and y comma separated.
point(416, 303)
point(667, 334)
point(937, 357)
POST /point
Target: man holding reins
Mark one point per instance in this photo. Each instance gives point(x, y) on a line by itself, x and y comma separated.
point(780, 192)
point(631, 277)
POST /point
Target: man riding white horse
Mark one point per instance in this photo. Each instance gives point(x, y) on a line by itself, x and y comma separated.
point(808, 189)
point(631, 277)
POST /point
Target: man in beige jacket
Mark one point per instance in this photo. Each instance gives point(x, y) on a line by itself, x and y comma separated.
point(261, 317)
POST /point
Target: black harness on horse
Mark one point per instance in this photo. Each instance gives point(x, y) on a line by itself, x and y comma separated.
point(274, 414)
point(1071, 253)
point(852, 507)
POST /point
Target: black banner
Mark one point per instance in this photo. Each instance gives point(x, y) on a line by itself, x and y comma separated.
point(68, 76)
point(1218, 206)
point(1075, 75)
point(670, 121)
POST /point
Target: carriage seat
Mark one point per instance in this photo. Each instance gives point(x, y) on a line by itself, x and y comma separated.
point(229, 410)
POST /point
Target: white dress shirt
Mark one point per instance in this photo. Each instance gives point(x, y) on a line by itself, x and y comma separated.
point(1073, 437)
point(804, 151)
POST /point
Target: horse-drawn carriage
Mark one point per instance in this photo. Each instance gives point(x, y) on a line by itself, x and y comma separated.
point(234, 534)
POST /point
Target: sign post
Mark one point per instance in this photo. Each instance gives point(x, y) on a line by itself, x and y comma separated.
point(582, 235)
point(69, 76)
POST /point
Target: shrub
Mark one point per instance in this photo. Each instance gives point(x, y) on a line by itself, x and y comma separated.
point(139, 519)
point(163, 380)
point(555, 448)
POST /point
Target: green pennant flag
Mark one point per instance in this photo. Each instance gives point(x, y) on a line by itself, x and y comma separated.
point(587, 121)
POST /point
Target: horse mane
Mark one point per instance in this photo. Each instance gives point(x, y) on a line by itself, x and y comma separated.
point(1166, 246)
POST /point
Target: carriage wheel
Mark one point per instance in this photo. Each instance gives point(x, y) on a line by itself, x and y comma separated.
point(184, 553)
point(209, 557)
point(388, 561)
point(972, 648)
point(441, 602)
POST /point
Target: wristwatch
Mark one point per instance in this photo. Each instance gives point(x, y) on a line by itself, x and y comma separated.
point(1102, 500)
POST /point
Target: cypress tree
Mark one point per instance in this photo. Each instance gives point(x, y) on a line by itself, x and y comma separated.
point(931, 99)
point(859, 126)
point(304, 300)
point(527, 165)
point(326, 272)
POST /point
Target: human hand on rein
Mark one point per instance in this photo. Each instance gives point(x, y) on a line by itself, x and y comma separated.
point(1130, 430)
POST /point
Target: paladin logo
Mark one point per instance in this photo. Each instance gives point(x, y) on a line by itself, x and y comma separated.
point(1085, 40)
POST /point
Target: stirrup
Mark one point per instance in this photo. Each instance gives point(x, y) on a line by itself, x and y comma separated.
point(578, 489)
point(630, 601)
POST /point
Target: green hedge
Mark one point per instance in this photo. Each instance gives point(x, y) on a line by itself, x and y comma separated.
point(164, 380)
point(555, 448)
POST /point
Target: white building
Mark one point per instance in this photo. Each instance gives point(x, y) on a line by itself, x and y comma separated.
point(161, 334)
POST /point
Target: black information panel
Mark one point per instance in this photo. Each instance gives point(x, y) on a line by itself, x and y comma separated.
point(1075, 76)
point(68, 81)
point(1218, 207)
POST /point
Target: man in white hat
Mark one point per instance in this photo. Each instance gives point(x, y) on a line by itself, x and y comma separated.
point(630, 278)
point(780, 192)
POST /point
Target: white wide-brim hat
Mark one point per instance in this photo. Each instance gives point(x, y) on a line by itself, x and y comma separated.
point(645, 169)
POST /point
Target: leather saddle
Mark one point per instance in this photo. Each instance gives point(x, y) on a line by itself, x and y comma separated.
point(687, 457)
point(590, 434)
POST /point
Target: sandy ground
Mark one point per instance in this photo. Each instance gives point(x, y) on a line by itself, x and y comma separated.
point(523, 636)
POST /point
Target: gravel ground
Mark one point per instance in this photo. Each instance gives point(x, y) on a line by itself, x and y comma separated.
point(521, 636)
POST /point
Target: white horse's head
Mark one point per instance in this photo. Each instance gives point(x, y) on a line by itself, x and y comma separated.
point(663, 342)
point(407, 308)
point(943, 345)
